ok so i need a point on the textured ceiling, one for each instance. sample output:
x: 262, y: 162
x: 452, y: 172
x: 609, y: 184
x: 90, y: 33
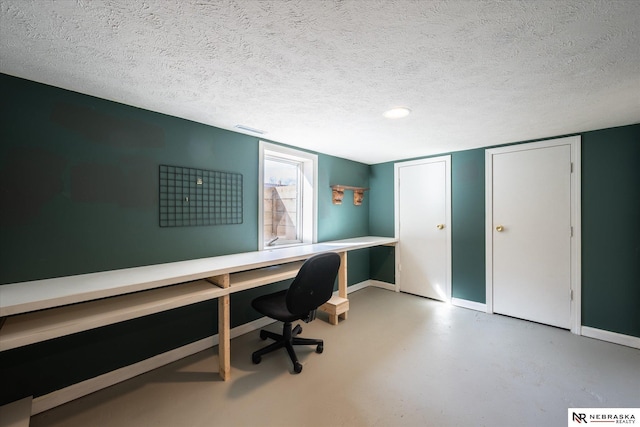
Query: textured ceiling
x: 318, y: 74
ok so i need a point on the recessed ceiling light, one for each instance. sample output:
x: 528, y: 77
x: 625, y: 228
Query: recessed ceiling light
x: 397, y: 113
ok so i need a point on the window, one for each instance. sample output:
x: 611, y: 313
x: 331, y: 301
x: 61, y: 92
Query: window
x: 287, y: 196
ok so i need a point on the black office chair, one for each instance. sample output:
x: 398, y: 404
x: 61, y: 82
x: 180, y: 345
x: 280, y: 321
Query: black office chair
x: 312, y: 287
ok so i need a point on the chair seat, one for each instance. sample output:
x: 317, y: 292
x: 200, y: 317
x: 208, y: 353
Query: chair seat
x: 274, y: 306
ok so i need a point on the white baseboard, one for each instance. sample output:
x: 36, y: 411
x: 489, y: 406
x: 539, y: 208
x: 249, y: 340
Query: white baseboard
x: 356, y: 287
x: 383, y: 285
x: 472, y: 305
x: 249, y: 327
x: 613, y: 337
x: 367, y: 283
x: 75, y: 391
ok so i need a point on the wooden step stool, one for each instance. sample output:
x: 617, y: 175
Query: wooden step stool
x: 336, y: 307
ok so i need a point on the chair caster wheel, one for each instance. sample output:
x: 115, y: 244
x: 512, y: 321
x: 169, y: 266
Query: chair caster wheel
x: 319, y: 348
x: 297, y: 367
x: 263, y: 335
x: 256, y: 359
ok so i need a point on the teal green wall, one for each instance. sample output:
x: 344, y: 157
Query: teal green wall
x: 467, y: 228
x: 611, y: 230
x: 80, y: 184
x: 381, y: 222
x: 345, y: 220
x: 381, y: 195
x: 79, y: 187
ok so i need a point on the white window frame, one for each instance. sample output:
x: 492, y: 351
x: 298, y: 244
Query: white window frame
x: 309, y: 192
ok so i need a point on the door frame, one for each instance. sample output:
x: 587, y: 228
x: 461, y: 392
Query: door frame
x: 576, y: 254
x: 396, y: 177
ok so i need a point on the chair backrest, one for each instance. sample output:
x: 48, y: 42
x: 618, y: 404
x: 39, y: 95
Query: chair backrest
x: 313, y: 286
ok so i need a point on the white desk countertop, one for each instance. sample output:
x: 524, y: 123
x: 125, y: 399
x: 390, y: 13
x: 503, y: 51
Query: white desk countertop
x: 23, y: 297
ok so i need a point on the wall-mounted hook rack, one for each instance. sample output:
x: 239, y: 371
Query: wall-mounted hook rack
x: 338, y: 194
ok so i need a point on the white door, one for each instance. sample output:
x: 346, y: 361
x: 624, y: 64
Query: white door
x: 531, y: 232
x: 423, y: 226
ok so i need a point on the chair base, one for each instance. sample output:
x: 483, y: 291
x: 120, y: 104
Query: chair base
x: 287, y: 340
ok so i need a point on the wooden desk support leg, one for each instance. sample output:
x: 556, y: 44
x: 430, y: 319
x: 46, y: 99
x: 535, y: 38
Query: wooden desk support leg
x: 338, y: 306
x: 224, y: 337
x: 224, y: 328
x: 342, y: 283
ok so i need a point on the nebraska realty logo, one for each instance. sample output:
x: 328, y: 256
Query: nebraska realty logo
x: 603, y: 415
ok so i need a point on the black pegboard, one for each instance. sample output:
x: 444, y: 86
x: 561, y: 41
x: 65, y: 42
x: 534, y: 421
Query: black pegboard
x: 192, y: 197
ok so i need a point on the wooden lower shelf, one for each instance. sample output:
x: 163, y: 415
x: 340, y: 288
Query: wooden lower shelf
x: 28, y: 328
x: 253, y: 278
x: 36, y: 326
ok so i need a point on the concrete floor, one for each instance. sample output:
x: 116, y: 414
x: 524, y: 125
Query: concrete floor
x: 399, y: 360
